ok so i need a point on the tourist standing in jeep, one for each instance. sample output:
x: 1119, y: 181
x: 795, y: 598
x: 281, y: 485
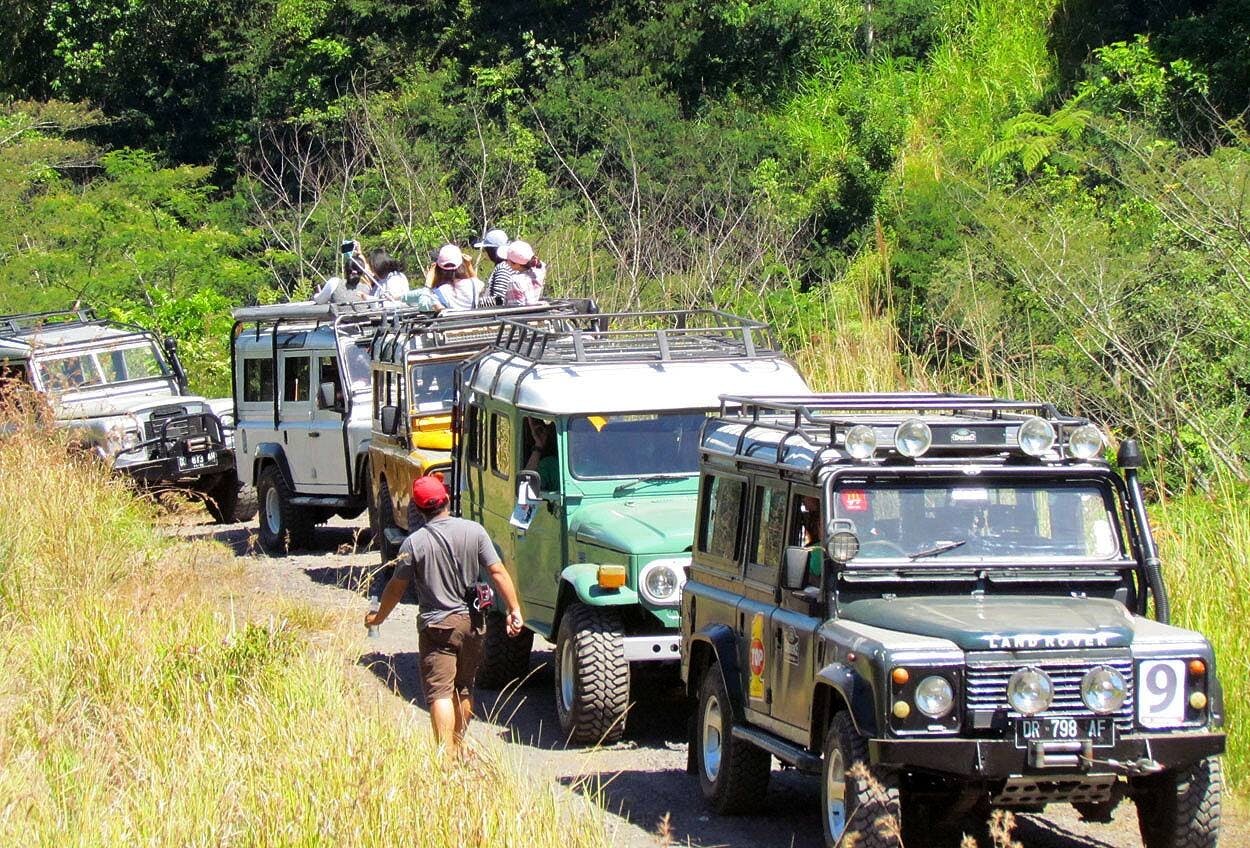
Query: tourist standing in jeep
x: 609, y: 409
x: 124, y: 397
x: 972, y: 627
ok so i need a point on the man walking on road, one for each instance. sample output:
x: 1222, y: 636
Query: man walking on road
x: 446, y: 557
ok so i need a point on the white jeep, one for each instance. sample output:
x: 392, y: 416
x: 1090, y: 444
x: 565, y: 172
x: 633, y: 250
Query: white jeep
x: 125, y: 399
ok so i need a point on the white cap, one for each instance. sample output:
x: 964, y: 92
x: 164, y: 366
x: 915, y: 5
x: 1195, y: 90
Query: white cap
x: 449, y: 257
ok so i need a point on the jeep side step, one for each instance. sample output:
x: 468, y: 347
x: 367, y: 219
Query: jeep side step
x: 784, y: 751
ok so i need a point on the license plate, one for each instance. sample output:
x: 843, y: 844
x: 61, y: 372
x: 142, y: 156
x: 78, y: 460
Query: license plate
x: 197, y: 460
x: 1099, y: 731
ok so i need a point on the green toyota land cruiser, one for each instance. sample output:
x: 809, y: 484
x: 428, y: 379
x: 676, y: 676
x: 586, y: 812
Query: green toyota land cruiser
x: 954, y: 591
x: 579, y: 454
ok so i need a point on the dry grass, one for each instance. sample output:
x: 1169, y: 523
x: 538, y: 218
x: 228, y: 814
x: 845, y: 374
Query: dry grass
x: 142, y: 700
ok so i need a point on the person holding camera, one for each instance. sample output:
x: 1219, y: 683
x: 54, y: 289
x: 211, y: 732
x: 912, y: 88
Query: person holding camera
x: 529, y: 275
x: 357, y: 283
x: 446, y: 558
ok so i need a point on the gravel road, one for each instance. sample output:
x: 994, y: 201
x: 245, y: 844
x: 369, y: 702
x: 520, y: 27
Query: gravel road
x: 642, y: 779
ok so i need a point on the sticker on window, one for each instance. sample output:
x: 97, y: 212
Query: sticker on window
x: 854, y: 500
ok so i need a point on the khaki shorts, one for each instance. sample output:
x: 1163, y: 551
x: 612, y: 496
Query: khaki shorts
x: 450, y: 654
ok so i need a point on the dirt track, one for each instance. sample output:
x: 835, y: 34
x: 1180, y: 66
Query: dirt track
x: 643, y: 778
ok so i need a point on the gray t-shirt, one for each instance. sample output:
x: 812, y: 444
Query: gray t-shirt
x: 444, y: 558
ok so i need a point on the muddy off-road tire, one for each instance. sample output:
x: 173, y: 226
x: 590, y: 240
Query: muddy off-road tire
x: 228, y: 501
x: 852, y: 807
x: 592, y: 675
x: 1180, y: 809
x: 283, y: 525
x: 504, y: 658
x: 733, y: 774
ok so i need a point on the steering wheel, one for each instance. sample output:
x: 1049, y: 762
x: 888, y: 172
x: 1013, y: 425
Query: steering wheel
x: 885, y: 546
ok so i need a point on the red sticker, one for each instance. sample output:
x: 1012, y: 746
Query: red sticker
x: 757, y: 657
x: 854, y: 500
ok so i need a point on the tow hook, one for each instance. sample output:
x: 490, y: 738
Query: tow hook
x: 1131, y: 768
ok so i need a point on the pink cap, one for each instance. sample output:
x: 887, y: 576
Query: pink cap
x: 520, y: 252
x: 449, y: 257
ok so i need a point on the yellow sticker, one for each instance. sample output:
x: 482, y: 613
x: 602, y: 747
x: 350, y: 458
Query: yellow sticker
x: 756, y: 656
x: 598, y: 421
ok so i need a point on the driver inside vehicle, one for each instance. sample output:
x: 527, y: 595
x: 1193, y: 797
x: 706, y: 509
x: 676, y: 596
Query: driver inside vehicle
x: 541, y: 452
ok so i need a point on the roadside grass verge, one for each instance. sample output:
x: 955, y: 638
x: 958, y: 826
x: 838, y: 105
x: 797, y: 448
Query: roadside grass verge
x: 147, y: 697
x: 1204, y: 542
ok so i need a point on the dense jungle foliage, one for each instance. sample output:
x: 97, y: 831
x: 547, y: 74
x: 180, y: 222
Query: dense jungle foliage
x: 1025, y: 196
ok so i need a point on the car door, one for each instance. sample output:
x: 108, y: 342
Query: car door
x: 295, y: 416
x: 797, y: 615
x: 539, y: 548
x: 326, y: 445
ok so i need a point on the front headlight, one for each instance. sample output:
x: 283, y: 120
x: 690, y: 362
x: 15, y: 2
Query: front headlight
x: 934, y: 696
x: 660, y: 582
x: 1030, y: 691
x: 1103, y: 689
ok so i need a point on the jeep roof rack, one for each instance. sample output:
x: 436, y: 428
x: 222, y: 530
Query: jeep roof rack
x: 477, y: 328
x: 958, y: 423
x: 660, y: 336
x: 22, y: 321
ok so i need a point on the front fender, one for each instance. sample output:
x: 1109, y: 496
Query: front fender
x: 583, y: 577
x: 721, y: 640
x: 272, y: 452
x: 855, y: 692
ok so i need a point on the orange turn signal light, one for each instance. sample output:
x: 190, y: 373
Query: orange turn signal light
x: 1197, y: 668
x: 900, y: 676
x: 611, y: 576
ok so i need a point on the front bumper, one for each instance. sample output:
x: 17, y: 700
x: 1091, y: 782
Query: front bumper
x: 994, y: 758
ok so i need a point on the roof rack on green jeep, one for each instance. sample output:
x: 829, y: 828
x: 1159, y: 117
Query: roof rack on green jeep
x: 952, y: 423
x: 660, y: 336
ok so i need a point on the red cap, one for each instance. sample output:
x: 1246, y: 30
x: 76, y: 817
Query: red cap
x: 428, y: 493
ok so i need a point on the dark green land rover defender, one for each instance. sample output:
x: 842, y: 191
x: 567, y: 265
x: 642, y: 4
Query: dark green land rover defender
x: 954, y: 591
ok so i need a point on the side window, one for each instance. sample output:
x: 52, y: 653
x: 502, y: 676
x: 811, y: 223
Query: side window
x: 500, y: 444
x: 378, y: 400
x: 258, y: 380
x: 721, y: 508
x: 295, y: 374
x: 805, y: 523
x: 770, y: 532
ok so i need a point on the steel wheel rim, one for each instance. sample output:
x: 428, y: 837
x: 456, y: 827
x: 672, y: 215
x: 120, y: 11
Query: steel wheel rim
x: 566, y: 676
x: 835, y: 794
x: 273, y: 511
x: 713, y: 738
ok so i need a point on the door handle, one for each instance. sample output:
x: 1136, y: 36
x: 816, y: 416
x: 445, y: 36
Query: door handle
x: 313, y: 434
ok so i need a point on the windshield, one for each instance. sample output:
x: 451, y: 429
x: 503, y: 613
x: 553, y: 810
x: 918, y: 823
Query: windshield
x: 929, y: 524
x: 635, y: 444
x: 357, y: 357
x: 97, y: 368
x: 433, y: 382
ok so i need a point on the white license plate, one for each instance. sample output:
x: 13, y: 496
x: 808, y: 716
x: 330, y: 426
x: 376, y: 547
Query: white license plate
x: 197, y: 460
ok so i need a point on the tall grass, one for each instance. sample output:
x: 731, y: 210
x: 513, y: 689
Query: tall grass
x: 147, y: 696
x: 1204, y: 542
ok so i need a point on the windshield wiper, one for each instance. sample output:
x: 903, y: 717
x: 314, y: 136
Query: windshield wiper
x: 940, y: 548
x: 650, y: 478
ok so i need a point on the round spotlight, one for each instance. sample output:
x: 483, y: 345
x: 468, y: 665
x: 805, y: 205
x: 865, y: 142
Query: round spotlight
x: 935, y: 697
x: 1103, y: 689
x: 1036, y: 436
x: 842, y: 546
x: 861, y: 441
x: 1085, y: 442
x: 913, y: 438
x: 1029, y: 691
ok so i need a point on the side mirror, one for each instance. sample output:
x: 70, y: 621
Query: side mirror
x: 390, y: 420
x: 325, y: 396
x: 527, y: 500
x: 797, y: 560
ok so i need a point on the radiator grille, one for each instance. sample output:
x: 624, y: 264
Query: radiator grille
x: 180, y: 428
x: 986, y: 687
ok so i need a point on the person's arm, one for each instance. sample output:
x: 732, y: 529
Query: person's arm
x: 503, y: 582
x: 391, y: 595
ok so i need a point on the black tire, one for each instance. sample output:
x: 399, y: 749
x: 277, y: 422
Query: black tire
x: 387, y: 550
x: 592, y: 675
x: 733, y: 774
x: 504, y: 658
x: 1180, y: 809
x: 228, y: 501
x: 866, y: 798
x: 282, y: 525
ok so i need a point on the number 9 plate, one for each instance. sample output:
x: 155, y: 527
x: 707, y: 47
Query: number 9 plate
x: 1161, y: 693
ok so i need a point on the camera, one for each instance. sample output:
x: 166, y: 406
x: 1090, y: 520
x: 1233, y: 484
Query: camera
x: 348, y: 247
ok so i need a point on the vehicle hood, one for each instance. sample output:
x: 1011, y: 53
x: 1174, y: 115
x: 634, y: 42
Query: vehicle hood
x: 100, y: 404
x: 995, y: 623
x: 643, y: 526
